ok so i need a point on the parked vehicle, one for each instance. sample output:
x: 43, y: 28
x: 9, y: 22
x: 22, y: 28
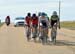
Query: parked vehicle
x: 19, y: 21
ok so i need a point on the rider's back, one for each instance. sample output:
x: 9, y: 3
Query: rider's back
x: 54, y: 17
x: 43, y: 21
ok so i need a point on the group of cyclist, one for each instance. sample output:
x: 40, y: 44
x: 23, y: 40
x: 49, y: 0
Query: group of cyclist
x: 41, y: 22
x: 38, y: 25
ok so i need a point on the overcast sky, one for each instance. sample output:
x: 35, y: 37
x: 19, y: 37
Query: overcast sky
x: 16, y: 8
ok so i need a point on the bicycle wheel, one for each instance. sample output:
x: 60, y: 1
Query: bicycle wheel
x: 44, y: 37
x: 44, y: 40
x: 53, y: 35
x: 35, y: 34
x: 28, y: 34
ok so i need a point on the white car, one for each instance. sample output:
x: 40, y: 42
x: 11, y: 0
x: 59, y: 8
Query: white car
x: 19, y: 21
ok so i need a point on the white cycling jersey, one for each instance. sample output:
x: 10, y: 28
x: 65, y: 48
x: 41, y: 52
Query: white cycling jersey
x: 43, y: 21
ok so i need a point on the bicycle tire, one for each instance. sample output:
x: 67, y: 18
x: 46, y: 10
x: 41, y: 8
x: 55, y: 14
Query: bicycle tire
x: 28, y: 34
x: 53, y: 36
x: 44, y: 37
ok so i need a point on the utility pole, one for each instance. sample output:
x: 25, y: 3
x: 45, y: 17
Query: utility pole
x: 59, y: 7
x: 0, y: 20
x: 59, y: 11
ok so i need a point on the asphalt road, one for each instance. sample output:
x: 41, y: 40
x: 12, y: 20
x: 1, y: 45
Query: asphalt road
x: 13, y: 41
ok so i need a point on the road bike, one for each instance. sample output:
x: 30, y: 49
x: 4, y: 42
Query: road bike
x: 28, y: 33
x: 54, y: 33
x: 44, y: 35
x: 35, y: 33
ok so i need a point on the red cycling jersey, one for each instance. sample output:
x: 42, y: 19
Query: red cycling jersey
x: 34, y: 20
x: 28, y: 20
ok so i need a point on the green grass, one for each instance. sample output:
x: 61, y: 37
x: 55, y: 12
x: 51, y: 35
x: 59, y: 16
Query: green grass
x: 1, y: 24
x: 68, y: 24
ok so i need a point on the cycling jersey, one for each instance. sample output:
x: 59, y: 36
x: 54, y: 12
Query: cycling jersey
x: 34, y: 20
x: 54, y: 17
x: 28, y: 20
x: 43, y: 22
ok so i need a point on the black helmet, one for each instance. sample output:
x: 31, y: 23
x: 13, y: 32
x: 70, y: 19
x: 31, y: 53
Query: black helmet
x: 29, y: 14
x: 8, y: 16
x: 34, y: 15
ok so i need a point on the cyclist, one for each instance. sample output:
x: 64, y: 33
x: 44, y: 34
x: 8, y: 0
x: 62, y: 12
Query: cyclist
x: 28, y: 19
x: 40, y: 15
x: 43, y: 22
x: 7, y: 20
x: 54, y: 19
x: 34, y: 24
x: 28, y: 25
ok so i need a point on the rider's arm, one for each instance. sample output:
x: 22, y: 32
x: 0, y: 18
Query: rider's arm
x: 47, y: 21
x: 39, y: 22
x: 50, y: 21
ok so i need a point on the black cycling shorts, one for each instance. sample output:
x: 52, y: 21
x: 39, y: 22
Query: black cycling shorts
x: 53, y: 22
x: 35, y: 26
x: 44, y: 24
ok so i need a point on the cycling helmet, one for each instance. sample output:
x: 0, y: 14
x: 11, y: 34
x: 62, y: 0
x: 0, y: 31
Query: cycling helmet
x: 8, y: 16
x: 43, y: 14
x: 54, y: 13
x: 39, y: 14
x: 29, y: 14
x: 34, y: 15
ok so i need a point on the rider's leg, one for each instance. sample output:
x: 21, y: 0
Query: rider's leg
x: 47, y: 30
x: 52, y: 23
x: 33, y: 31
x: 40, y: 30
